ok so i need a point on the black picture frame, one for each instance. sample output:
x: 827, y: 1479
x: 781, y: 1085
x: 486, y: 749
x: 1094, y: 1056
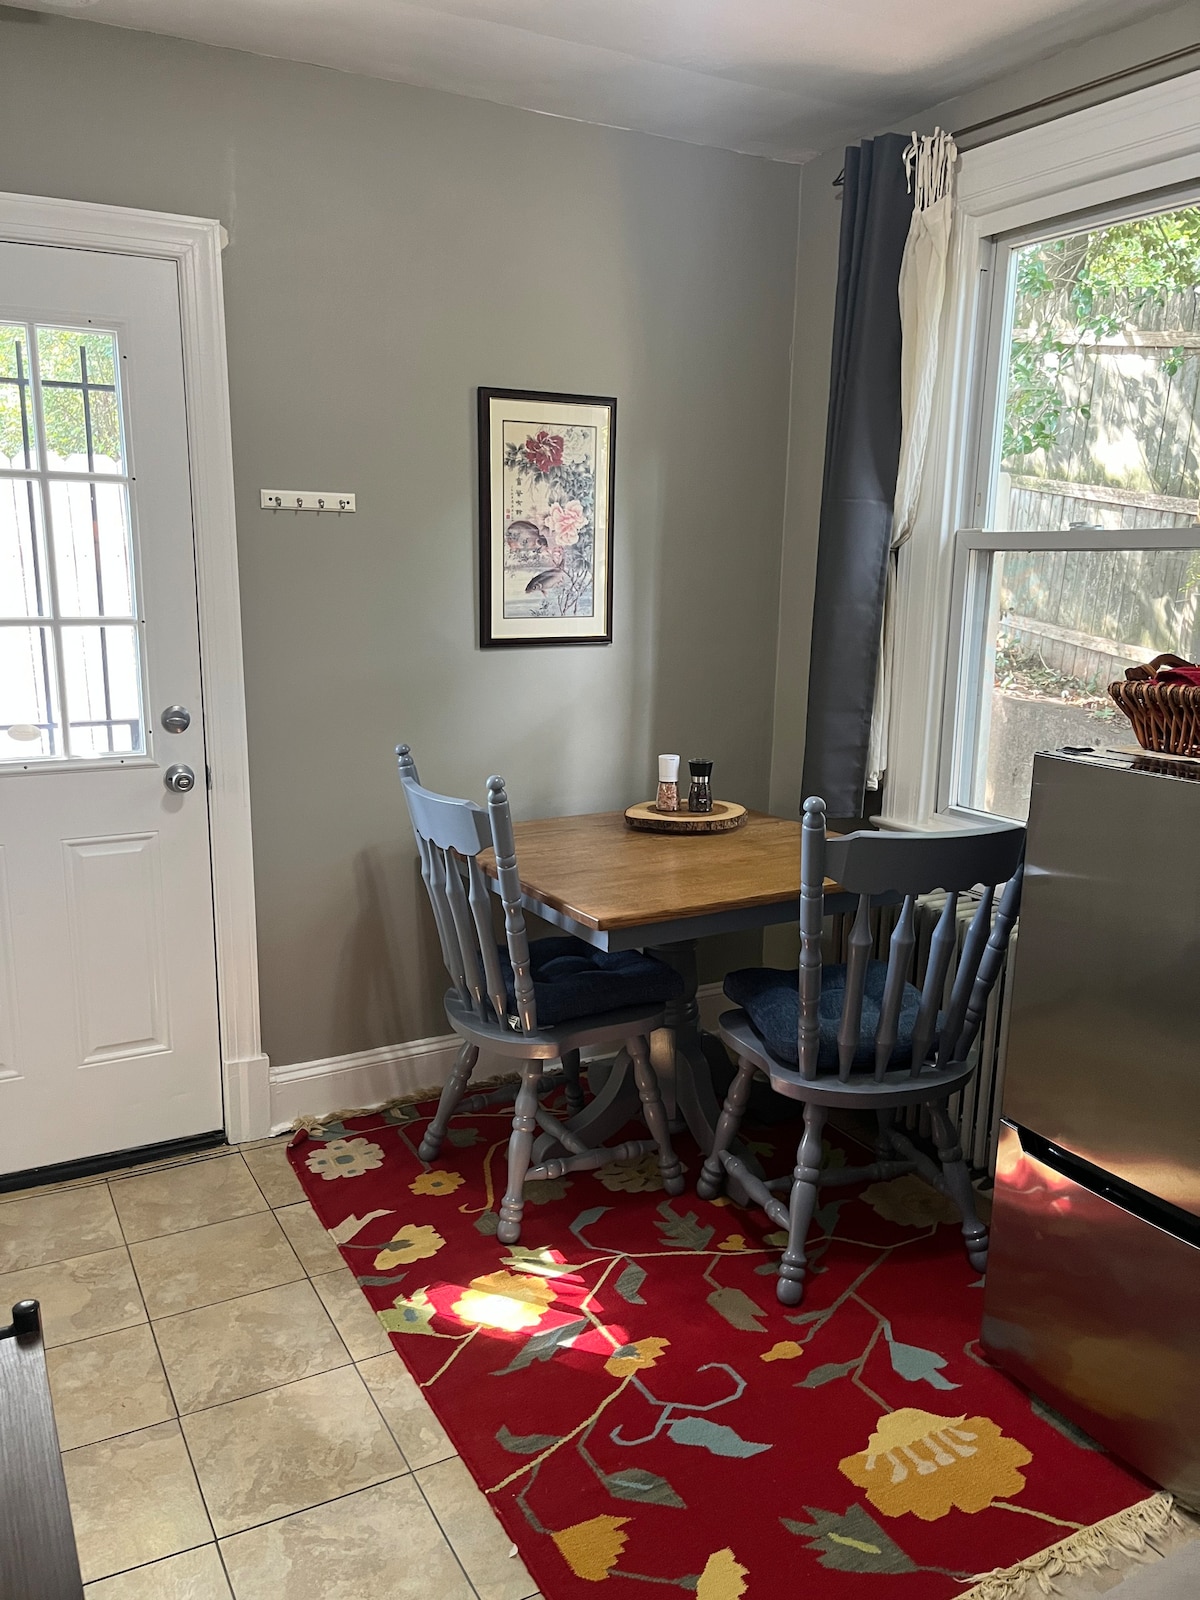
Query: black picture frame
x: 547, y: 480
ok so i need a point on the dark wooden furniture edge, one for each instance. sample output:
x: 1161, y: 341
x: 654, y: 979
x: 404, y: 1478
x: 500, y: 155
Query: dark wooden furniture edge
x: 38, y: 1559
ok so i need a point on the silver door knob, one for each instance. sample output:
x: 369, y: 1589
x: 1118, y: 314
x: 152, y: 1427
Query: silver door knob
x: 176, y: 719
x: 179, y: 779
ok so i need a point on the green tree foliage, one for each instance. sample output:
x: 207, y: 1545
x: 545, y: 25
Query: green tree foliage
x: 59, y: 360
x: 1084, y: 287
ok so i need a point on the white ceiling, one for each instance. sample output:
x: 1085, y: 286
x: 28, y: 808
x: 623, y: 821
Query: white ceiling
x: 780, y: 78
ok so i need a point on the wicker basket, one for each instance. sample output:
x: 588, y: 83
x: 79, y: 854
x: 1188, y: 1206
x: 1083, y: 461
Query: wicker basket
x: 1165, y: 716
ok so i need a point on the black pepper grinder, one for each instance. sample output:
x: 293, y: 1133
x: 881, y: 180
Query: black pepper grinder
x: 700, y: 793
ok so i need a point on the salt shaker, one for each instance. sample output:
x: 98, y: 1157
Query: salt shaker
x: 668, y: 784
x: 700, y: 794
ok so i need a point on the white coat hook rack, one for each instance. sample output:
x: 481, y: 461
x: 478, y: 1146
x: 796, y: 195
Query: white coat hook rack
x: 327, y: 500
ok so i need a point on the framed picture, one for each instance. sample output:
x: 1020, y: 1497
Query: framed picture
x: 545, y: 518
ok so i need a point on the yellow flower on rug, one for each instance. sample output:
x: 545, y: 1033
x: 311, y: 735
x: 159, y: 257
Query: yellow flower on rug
x: 785, y: 1350
x: 409, y: 1314
x: 540, y: 1191
x: 634, y: 1357
x: 437, y: 1182
x: 910, y: 1202
x: 735, y: 1243
x: 413, y: 1242
x: 344, y: 1158
x: 507, y: 1300
x: 723, y: 1578
x: 592, y: 1549
x: 631, y: 1177
x: 930, y: 1465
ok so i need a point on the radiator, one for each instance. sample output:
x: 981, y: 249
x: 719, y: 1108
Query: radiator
x: 976, y: 1110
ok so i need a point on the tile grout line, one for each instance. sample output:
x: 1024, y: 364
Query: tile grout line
x: 141, y: 1566
x: 302, y: 1511
x: 194, y: 1227
x: 453, y: 1456
x: 179, y: 1416
x: 413, y: 1472
x: 471, y: 1589
x: 174, y: 1402
x: 95, y: 1179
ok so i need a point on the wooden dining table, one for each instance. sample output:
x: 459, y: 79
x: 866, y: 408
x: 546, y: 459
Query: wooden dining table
x: 595, y: 877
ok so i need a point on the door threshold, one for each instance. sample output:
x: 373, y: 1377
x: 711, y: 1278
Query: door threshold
x: 91, y: 1166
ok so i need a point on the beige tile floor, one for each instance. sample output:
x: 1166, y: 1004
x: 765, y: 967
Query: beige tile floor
x: 234, y: 1423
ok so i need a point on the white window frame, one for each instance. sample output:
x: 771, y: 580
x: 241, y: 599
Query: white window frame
x: 194, y: 245
x: 1110, y: 157
x: 969, y: 611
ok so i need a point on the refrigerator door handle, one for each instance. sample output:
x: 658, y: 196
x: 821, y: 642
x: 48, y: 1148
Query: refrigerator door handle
x: 1138, y: 1202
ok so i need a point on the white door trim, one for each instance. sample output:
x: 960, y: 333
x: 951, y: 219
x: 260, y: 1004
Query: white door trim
x: 194, y: 244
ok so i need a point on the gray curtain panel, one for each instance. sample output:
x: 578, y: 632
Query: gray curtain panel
x: 862, y: 452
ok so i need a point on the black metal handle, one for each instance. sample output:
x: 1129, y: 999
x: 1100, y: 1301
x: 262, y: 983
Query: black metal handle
x: 26, y: 1319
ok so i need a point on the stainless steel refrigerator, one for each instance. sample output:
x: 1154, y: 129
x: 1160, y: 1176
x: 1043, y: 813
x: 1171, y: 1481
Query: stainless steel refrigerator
x: 1093, y: 1285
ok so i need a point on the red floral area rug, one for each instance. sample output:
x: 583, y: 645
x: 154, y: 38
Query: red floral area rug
x: 641, y: 1410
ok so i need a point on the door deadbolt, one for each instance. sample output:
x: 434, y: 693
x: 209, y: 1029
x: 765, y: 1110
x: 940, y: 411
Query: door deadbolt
x: 179, y: 779
x: 176, y: 719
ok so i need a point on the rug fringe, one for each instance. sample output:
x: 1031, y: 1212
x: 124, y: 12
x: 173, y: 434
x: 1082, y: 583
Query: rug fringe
x: 1128, y: 1533
x: 476, y: 1086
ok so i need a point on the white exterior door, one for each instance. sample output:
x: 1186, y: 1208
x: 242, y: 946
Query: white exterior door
x: 108, y: 997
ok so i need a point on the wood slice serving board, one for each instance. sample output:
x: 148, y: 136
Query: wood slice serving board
x: 723, y: 818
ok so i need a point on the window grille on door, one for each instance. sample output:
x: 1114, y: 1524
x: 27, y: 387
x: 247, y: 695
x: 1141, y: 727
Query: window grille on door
x: 70, y: 646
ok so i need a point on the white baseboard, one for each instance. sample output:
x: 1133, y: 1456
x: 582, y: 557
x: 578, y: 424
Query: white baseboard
x: 366, y: 1078
x: 369, y: 1077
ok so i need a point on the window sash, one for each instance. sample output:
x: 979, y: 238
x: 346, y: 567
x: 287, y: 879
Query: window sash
x: 974, y: 549
x: 53, y: 620
x: 994, y: 332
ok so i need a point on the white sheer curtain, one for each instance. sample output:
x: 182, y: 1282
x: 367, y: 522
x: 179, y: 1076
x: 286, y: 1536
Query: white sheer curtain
x: 929, y: 160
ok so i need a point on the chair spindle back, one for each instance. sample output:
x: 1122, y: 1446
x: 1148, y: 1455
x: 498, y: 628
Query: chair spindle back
x: 451, y: 834
x: 906, y: 865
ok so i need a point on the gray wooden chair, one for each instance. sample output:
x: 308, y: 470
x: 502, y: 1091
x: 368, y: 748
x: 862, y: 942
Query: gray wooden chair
x: 492, y: 1003
x: 859, y: 1036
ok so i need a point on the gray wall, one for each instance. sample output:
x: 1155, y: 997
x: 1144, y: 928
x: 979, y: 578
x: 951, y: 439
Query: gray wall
x: 820, y: 212
x: 390, y: 249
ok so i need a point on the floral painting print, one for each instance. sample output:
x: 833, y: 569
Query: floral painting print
x: 546, y: 465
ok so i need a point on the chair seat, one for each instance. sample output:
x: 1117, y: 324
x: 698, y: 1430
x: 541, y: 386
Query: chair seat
x: 862, y: 1092
x: 548, y: 1044
x: 770, y: 997
x: 571, y: 979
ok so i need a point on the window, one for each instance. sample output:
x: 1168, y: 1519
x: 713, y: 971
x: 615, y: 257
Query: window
x: 70, y: 673
x: 1046, y: 625
x: 1090, y: 470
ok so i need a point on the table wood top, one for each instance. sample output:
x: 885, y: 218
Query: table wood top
x: 604, y: 875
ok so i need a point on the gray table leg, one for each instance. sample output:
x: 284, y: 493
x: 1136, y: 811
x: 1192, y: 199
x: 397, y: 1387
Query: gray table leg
x: 615, y: 1102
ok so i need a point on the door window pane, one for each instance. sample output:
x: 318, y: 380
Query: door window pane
x: 1100, y: 380
x: 79, y: 400
x: 1058, y: 626
x: 18, y: 435
x: 79, y: 564
x: 29, y: 728
x: 90, y: 521
x: 24, y: 590
x: 104, y: 696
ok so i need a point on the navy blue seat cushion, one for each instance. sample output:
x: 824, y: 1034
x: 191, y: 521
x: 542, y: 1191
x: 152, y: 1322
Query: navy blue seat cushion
x: 570, y: 980
x: 771, y: 999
